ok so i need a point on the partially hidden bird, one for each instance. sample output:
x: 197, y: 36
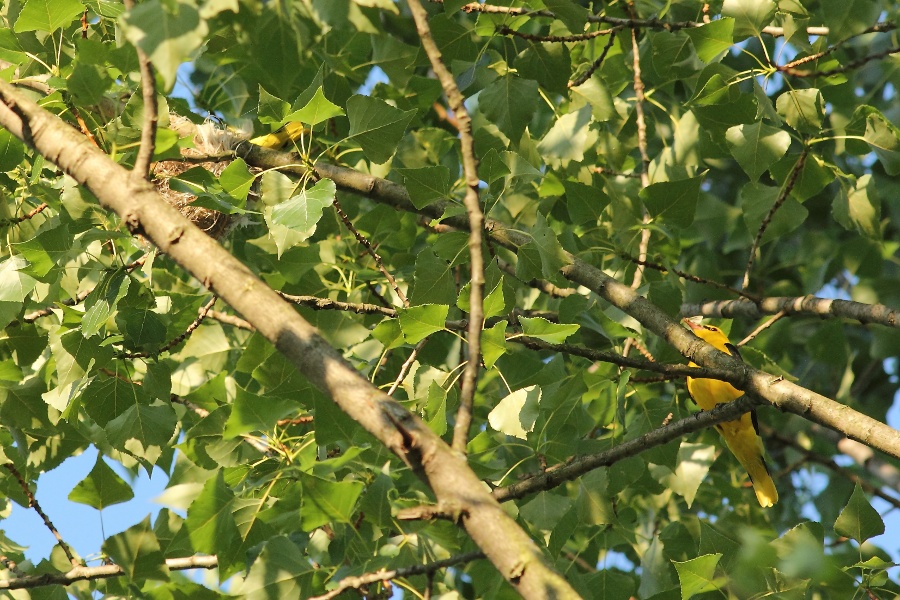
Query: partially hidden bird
x: 741, y: 435
x: 290, y: 132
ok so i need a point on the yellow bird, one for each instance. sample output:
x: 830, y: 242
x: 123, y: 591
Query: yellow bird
x: 742, y: 435
x: 290, y: 132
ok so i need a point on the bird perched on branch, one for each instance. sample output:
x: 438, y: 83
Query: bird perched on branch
x: 290, y: 132
x: 741, y: 435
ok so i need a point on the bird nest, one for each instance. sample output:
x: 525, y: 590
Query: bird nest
x: 208, y: 140
x: 212, y: 222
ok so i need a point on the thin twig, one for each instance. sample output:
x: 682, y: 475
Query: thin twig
x: 577, y: 37
x: 769, y: 322
x: 876, y: 28
x: 405, y: 367
x: 360, y: 581
x: 145, y: 153
x: 597, y: 63
x: 30, y: 214
x: 538, y: 284
x: 641, y: 123
x: 575, y: 467
x: 232, y: 320
x: 785, y: 191
x: 689, y: 276
x: 632, y: 23
x: 472, y: 203
x: 810, y: 456
x: 371, y: 250
x: 842, y: 69
x: 33, y: 503
x: 203, y: 312
x: 328, y: 304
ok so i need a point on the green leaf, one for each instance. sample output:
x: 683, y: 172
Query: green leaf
x: 569, y: 137
x: 210, y: 523
x: 250, y: 412
x: 433, y: 280
x: 169, y: 32
x: 543, y: 256
x: 12, y: 151
x: 103, y: 300
x: 674, y: 201
x: 542, y: 329
x: 318, y: 110
x: 694, y: 461
x: 15, y: 285
x: 271, y: 109
x: 571, y: 14
x: 108, y: 398
x: 509, y: 102
x: 137, y: 551
x: 236, y: 180
x: 142, y: 329
x: 327, y: 501
x: 858, y: 520
x: 757, y: 147
x: 491, y: 167
x: 281, y: 570
x: 585, y: 203
x: 884, y: 138
x: 750, y: 16
x: 859, y: 207
x: 802, y: 109
x: 712, y: 40
x: 756, y: 200
x: 516, y: 414
x: 714, y: 91
x: 142, y: 430
x: 493, y: 343
x: 655, y: 575
x: 295, y: 220
x: 426, y: 185
x: 47, y: 15
x: 698, y: 575
x: 377, y: 126
x: 418, y: 322
x: 846, y: 18
x: 45, y: 251
x: 88, y: 83
x: 101, y: 488
x: 546, y: 63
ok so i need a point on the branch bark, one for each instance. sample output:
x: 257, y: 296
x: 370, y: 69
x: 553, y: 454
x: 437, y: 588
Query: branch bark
x: 101, y: 572
x: 141, y: 209
x: 782, y: 394
x: 796, y: 305
x: 476, y: 223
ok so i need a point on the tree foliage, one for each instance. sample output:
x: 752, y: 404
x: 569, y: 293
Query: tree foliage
x: 634, y: 163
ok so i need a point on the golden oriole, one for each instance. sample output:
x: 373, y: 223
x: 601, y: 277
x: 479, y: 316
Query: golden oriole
x: 742, y: 435
x: 290, y: 132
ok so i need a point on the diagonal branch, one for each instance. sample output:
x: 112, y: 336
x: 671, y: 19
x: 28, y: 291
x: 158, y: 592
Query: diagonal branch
x: 142, y: 210
x: 578, y: 466
x: 783, y: 394
x: 33, y: 503
x: 785, y: 192
x: 476, y: 224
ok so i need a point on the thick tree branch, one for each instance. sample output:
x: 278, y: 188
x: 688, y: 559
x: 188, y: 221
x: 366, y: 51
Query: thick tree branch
x: 101, y: 572
x: 141, y: 209
x: 800, y: 305
x: 476, y: 223
x: 783, y: 394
